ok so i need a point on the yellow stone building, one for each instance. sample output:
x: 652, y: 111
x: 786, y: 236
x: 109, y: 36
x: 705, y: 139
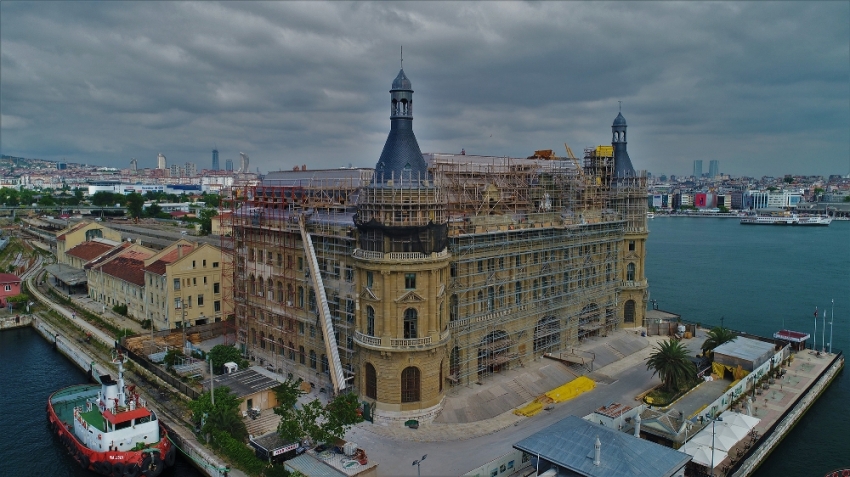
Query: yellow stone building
x: 183, y: 285
x: 434, y: 270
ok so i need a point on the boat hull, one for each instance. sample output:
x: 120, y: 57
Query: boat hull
x: 149, y: 462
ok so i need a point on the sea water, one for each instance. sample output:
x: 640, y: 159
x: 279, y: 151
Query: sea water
x: 759, y: 279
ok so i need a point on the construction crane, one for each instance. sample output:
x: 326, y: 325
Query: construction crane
x: 574, y: 159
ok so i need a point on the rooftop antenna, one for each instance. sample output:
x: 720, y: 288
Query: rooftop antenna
x: 621, y: 106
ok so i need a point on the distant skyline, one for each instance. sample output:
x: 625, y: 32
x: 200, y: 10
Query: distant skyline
x: 762, y: 87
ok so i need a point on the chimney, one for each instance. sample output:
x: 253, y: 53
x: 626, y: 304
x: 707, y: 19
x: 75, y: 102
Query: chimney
x: 597, y: 456
x: 179, y: 251
x: 637, y: 425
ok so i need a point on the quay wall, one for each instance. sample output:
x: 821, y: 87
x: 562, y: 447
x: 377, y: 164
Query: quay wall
x: 12, y: 322
x: 774, y: 436
x: 203, y: 460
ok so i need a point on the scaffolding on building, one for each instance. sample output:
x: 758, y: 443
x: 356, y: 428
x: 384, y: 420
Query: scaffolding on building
x: 534, y: 257
x: 277, y: 316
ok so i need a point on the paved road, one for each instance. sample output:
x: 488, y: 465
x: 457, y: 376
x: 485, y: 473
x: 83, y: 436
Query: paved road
x: 460, y: 456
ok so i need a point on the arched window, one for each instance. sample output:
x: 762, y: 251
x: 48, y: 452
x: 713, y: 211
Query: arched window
x: 629, y: 312
x: 410, y: 324
x: 270, y: 289
x: 260, y: 283
x: 370, y: 321
x: 325, y: 366
x: 501, y: 296
x: 371, y: 382
x: 252, y: 287
x: 253, y: 336
x: 630, y: 272
x: 518, y: 293
x: 301, y: 354
x: 479, y: 303
x: 280, y: 347
x: 262, y: 340
x: 291, y: 351
x: 410, y: 384
x: 290, y: 295
x: 300, y: 297
x: 271, y: 343
x: 279, y: 292
x: 453, y: 308
x: 491, y: 298
x: 312, y: 359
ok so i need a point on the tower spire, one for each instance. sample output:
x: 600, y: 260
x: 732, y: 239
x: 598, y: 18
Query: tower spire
x: 401, y: 56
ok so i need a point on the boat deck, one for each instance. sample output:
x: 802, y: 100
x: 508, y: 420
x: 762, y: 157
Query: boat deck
x: 66, y: 400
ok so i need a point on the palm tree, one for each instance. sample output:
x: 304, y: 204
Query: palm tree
x: 671, y: 362
x: 716, y: 337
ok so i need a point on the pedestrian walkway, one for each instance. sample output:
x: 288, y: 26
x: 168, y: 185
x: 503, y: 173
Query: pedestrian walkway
x: 464, y: 403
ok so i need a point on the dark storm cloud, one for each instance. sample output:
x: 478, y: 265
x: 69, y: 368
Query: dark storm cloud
x: 763, y: 87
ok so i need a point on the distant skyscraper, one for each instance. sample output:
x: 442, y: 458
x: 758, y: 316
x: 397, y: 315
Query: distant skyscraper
x: 713, y: 169
x: 243, y: 162
x: 160, y: 161
x: 228, y: 165
x: 190, y: 170
x: 697, y: 168
x: 134, y: 165
x: 215, y: 160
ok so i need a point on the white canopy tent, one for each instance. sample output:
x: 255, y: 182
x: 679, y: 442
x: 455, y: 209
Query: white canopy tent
x: 738, y: 419
x: 722, y: 441
x: 702, y: 454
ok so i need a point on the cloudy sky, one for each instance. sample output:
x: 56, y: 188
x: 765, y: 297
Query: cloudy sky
x: 762, y: 87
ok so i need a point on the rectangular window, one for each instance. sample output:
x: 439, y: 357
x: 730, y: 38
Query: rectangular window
x: 280, y: 260
x: 216, y: 288
x: 176, y: 303
x: 369, y: 279
x: 300, y: 263
x: 194, y: 281
x: 189, y: 302
x: 215, y: 264
x: 410, y: 281
x: 200, y: 300
x: 8, y: 287
x: 204, y: 264
x: 631, y: 245
x: 217, y: 306
x: 176, y: 283
x: 300, y: 328
x: 193, y: 264
x: 205, y: 280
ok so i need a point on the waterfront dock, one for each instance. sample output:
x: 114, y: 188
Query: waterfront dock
x: 782, y: 405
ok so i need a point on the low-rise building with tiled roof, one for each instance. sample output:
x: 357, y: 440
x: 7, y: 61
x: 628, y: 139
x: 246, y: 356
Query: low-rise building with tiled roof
x: 85, y: 252
x: 120, y: 280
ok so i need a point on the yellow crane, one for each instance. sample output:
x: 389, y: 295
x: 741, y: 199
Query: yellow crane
x: 574, y: 159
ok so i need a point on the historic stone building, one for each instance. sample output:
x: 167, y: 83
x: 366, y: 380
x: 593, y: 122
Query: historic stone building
x: 434, y: 270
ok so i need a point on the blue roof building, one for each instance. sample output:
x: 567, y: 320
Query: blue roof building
x: 576, y: 447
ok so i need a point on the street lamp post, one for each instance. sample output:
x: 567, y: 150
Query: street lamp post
x: 713, y: 421
x: 417, y: 462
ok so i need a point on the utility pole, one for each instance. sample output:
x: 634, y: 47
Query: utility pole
x: 830, y: 325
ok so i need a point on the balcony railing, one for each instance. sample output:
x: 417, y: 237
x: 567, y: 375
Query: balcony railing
x: 633, y: 283
x: 400, y: 256
x: 366, y: 339
x: 408, y: 343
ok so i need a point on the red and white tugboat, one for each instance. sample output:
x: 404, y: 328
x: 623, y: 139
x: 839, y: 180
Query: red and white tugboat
x: 108, y: 428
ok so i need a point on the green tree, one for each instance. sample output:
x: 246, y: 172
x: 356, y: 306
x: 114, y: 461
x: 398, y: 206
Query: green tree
x: 211, y: 200
x: 341, y: 413
x: 171, y: 357
x: 847, y: 198
x: 671, y: 363
x: 135, y: 202
x: 223, y: 416
x: 221, y: 354
x: 723, y: 209
x: 46, y: 200
x: 103, y: 198
x: 716, y: 337
x: 287, y: 393
x: 153, y: 210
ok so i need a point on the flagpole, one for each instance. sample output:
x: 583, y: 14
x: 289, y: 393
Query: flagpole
x: 815, y: 334
x: 823, y: 333
x: 830, y: 325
